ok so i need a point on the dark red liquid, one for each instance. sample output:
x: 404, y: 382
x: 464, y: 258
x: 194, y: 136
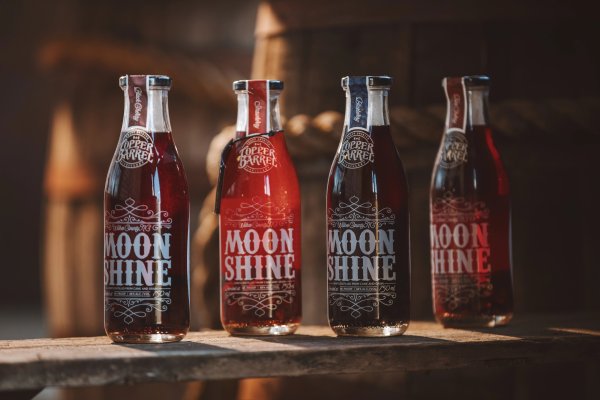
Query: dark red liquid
x: 157, y: 191
x: 480, y: 186
x: 380, y: 188
x: 257, y: 298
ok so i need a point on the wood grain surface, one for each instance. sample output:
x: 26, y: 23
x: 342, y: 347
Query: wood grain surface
x: 92, y: 361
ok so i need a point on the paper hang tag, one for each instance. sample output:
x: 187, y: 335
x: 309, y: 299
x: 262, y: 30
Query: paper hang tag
x: 223, y: 164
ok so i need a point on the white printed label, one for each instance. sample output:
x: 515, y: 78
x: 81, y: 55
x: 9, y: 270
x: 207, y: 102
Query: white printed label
x: 357, y: 149
x: 257, y: 156
x: 258, y: 257
x: 137, y: 261
x: 136, y: 148
x: 361, y: 257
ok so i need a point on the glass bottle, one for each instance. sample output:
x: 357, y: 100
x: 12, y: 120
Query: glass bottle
x: 259, y: 220
x: 470, y: 214
x: 146, y: 222
x: 368, y: 258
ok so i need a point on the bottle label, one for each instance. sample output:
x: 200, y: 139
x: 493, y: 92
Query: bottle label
x: 360, y: 257
x: 357, y: 149
x: 359, y: 102
x: 460, y: 252
x: 259, y: 116
x: 137, y: 261
x: 136, y: 148
x: 258, y: 255
x: 454, y: 150
x: 257, y: 155
x: 137, y: 90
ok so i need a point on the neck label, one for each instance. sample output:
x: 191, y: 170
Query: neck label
x: 259, y: 118
x: 454, y: 150
x: 456, y: 118
x: 359, y: 102
x: 137, y: 90
x: 356, y: 149
x: 136, y: 147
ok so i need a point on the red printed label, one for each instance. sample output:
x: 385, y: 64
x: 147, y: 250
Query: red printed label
x: 258, y: 107
x: 457, y: 110
x: 138, y: 99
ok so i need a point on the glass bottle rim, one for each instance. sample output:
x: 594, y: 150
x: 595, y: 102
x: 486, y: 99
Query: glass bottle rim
x: 472, y: 81
x: 242, y: 85
x: 154, y: 81
x: 372, y: 81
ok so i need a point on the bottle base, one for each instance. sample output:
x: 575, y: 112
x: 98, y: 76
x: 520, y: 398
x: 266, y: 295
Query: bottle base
x: 370, y: 331
x: 146, y: 338
x: 487, y: 321
x: 261, y: 330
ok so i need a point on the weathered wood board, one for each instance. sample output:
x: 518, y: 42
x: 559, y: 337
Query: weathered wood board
x: 90, y: 361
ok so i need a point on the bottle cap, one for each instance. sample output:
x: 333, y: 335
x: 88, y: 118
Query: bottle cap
x: 473, y: 80
x: 154, y: 81
x: 382, y: 81
x: 243, y: 84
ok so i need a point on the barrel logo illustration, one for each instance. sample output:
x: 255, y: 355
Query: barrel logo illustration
x: 136, y: 148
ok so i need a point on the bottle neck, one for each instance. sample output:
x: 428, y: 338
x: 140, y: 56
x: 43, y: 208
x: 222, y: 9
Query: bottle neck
x: 257, y: 113
x: 466, y: 106
x: 147, y: 108
x: 366, y: 109
x: 477, y: 106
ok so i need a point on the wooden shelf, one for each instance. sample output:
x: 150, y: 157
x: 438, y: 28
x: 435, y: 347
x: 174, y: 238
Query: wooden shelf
x: 92, y: 361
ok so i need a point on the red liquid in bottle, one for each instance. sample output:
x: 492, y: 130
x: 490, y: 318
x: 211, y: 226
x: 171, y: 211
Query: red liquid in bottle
x: 146, y: 204
x: 259, y: 223
x: 470, y: 216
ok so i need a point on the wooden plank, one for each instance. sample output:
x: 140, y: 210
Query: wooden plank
x: 26, y: 364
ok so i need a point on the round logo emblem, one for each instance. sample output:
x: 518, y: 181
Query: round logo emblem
x: 257, y: 155
x: 136, y: 149
x: 357, y: 149
x: 454, y: 149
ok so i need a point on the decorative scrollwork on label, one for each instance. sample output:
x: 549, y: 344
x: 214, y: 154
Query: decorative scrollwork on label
x: 260, y: 302
x: 131, y: 308
x: 359, y: 303
x: 136, y: 217
x: 354, y: 214
x: 259, y: 213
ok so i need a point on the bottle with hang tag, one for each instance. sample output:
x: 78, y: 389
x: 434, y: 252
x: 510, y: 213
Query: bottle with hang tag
x: 258, y: 204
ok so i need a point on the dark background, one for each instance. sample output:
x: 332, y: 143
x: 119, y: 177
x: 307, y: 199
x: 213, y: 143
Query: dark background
x: 42, y: 64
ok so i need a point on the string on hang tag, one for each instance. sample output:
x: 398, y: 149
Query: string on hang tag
x: 223, y: 163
